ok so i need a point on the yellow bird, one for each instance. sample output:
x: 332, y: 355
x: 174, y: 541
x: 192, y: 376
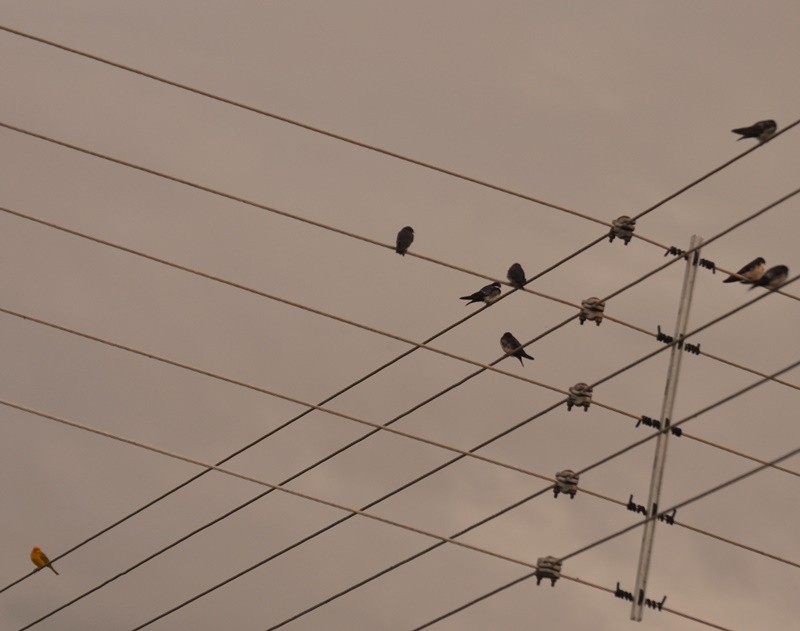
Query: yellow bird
x: 40, y: 559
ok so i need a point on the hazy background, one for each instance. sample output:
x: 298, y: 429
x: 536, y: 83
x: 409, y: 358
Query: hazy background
x: 601, y: 107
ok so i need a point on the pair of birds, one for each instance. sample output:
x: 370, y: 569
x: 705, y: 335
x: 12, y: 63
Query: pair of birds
x: 491, y: 293
x: 753, y: 274
x: 40, y: 559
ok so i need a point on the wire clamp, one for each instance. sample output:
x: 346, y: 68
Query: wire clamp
x: 652, y: 422
x: 622, y: 227
x: 566, y: 483
x: 694, y: 349
x: 696, y: 261
x: 667, y: 518
x: 548, y: 567
x: 592, y: 310
x: 663, y: 337
x: 580, y: 395
x: 652, y: 604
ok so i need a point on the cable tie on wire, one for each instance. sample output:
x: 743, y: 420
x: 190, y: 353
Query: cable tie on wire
x: 667, y: 518
x: 655, y: 423
x: 674, y: 251
x: 694, y: 349
x: 652, y: 604
x: 663, y: 337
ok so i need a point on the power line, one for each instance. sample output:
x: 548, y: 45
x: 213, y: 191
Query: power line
x: 288, y: 215
x: 375, y: 148
x: 373, y: 503
x: 327, y: 314
x: 580, y: 581
x: 352, y: 511
x: 535, y: 495
x: 616, y: 534
x: 369, y: 433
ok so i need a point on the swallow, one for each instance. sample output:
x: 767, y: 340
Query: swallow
x: 751, y: 272
x: 516, y: 276
x: 40, y: 559
x: 511, y: 346
x: 488, y: 294
x: 404, y: 239
x: 763, y: 130
x: 773, y: 278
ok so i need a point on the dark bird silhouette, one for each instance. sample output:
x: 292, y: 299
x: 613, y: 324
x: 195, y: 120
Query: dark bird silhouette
x: 488, y: 294
x: 773, y: 278
x: 404, y: 239
x: 751, y: 272
x: 763, y: 130
x: 511, y: 346
x: 516, y: 276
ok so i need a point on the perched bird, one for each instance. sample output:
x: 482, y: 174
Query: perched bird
x: 404, y: 239
x: 511, y: 346
x: 40, y: 559
x: 751, y: 272
x: 488, y: 294
x: 773, y: 278
x: 516, y: 276
x: 763, y: 130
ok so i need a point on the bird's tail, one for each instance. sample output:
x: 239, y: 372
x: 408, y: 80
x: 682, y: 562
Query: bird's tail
x: 52, y: 568
x: 524, y: 354
x: 730, y: 279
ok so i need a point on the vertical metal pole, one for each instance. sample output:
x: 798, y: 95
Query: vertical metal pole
x: 660, y: 459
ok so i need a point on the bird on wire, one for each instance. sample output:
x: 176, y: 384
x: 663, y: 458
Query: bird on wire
x: 762, y: 130
x: 40, y: 559
x: 404, y: 239
x: 749, y: 273
x: 511, y: 346
x: 488, y: 294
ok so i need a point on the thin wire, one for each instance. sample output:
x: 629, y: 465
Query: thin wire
x: 329, y: 503
x: 394, y: 420
x: 618, y: 533
x: 307, y: 127
x: 375, y: 426
x: 544, y: 490
x: 326, y: 314
x: 370, y: 147
x: 328, y: 227
x: 247, y: 202
x: 299, y: 416
x: 343, y: 519
x: 675, y: 507
x: 580, y: 581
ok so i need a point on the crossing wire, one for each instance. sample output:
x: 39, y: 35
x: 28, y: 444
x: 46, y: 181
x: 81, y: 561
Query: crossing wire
x: 363, y: 513
x: 537, y: 494
x: 394, y: 492
x: 326, y: 314
x: 618, y: 533
x: 438, y: 394
x: 392, y: 154
x: 377, y: 149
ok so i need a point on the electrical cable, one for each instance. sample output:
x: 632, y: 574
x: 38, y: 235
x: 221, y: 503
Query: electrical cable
x: 326, y: 314
x: 541, y: 492
x: 374, y: 148
x: 618, y: 533
x: 362, y: 513
x: 407, y: 485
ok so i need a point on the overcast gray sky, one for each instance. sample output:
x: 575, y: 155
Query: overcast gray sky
x: 601, y: 107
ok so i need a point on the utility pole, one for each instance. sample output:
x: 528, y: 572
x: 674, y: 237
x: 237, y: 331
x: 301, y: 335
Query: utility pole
x: 660, y: 459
